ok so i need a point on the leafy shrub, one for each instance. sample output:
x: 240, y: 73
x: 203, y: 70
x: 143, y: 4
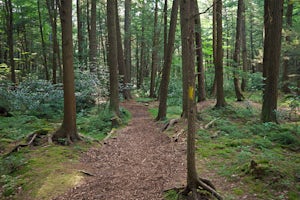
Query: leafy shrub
x: 175, y: 92
x: 43, y: 99
x: 38, y: 97
x: 255, y: 81
x: 87, y: 89
x: 6, y: 97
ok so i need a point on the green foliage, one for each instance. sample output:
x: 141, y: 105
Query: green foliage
x: 87, y: 88
x: 171, y: 195
x: 144, y: 99
x: 175, y: 92
x: 8, y: 166
x: 4, y: 71
x: 19, y: 126
x: 240, y: 141
x: 97, y: 123
x: 9, y: 185
x: 11, y: 164
x: 41, y: 98
x: 33, y: 97
x: 255, y: 81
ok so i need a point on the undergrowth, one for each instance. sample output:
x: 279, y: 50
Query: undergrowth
x: 33, y: 171
x: 262, y: 157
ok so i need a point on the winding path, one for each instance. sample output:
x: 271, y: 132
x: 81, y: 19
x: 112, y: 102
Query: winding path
x: 140, y: 163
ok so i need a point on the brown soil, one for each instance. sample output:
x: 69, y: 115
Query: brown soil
x: 140, y: 163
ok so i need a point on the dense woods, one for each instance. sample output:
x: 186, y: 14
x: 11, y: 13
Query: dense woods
x: 222, y: 74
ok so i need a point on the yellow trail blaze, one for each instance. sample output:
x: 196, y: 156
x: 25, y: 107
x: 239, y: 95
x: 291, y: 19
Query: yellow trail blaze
x: 191, y: 92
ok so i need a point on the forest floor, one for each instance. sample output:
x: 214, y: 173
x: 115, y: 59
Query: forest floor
x: 140, y: 162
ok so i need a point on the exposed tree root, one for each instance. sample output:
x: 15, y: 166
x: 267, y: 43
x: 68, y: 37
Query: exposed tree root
x: 64, y: 137
x: 208, y: 125
x: 176, y: 137
x: 202, y: 184
x: 33, y: 139
x: 86, y: 173
x: 169, y: 124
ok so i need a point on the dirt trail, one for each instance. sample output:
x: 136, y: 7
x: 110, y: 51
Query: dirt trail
x: 140, y: 163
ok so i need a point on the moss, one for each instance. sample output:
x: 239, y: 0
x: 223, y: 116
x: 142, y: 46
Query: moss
x: 238, y: 191
x: 49, y: 171
x: 57, y: 183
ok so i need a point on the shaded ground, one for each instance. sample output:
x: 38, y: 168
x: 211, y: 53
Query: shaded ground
x: 140, y: 163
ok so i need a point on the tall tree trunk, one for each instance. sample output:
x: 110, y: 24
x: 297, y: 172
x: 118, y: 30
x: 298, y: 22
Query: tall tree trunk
x: 289, y: 19
x: 121, y: 60
x: 271, y: 60
x: 252, y: 42
x: 185, y: 28
x: 154, y: 52
x: 93, y: 38
x: 187, y: 42
x: 137, y: 58
x: 214, y: 86
x: 142, y: 66
x: 199, y: 54
x: 103, y: 39
x: 162, y: 109
x: 127, y: 39
x: 187, y: 37
x: 80, y: 38
x: 68, y: 128
x: 165, y: 28
x: 219, y: 56
x: 43, y: 42
x: 236, y: 54
x: 112, y: 57
x: 52, y: 10
x: 244, y: 47
x: 10, y: 39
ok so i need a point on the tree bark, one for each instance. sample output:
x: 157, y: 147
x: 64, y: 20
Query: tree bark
x: 285, y: 72
x: 252, y: 42
x: 121, y: 61
x: 127, y: 39
x: 219, y: 56
x: 154, y: 52
x: 162, y: 109
x: 68, y: 130
x: 199, y: 54
x: 187, y: 37
x: 214, y: 86
x: 142, y: 64
x: 271, y: 60
x: 165, y: 28
x: 43, y: 42
x: 236, y: 54
x: 10, y: 39
x: 244, y: 47
x: 80, y: 33
x: 112, y: 57
x: 93, y: 38
x: 188, y: 55
x: 52, y: 10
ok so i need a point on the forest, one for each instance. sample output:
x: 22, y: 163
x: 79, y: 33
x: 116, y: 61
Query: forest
x: 136, y: 99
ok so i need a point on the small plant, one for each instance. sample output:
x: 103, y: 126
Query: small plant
x: 9, y: 185
x: 11, y: 164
